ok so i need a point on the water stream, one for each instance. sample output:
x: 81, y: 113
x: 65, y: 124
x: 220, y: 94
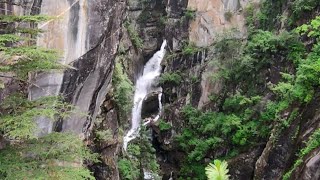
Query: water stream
x: 144, y: 86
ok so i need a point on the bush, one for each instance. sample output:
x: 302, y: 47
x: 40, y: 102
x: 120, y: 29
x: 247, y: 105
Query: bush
x: 123, y: 90
x: 134, y: 36
x: 313, y: 143
x: 104, y: 135
x: 300, y: 7
x: 164, y: 126
x: 141, y: 157
x: 228, y: 15
x: 190, y: 49
x: 18, y: 118
x: 128, y: 170
x: 189, y: 14
x: 54, y: 156
x: 170, y: 79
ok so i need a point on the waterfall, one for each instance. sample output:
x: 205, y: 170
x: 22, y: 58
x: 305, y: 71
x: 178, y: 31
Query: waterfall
x: 145, y: 85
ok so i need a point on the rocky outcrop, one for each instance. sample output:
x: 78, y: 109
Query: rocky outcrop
x: 67, y: 34
x: 87, y: 84
x: 150, y: 105
x: 3, y: 142
x: 214, y: 17
x: 242, y: 166
x: 106, y: 140
x: 280, y: 152
x: 311, y: 170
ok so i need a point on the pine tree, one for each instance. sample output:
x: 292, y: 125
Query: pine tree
x: 18, y: 53
x: 147, y: 159
x: 56, y: 155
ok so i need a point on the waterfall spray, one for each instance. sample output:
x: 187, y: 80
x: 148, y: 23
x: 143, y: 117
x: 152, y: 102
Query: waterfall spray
x: 144, y: 86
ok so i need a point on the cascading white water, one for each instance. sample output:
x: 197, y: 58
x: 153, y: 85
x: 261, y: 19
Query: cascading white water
x: 159, y: 112
x: 144, y: 86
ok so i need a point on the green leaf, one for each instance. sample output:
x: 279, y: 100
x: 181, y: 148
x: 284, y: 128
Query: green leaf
x: 217, y: 171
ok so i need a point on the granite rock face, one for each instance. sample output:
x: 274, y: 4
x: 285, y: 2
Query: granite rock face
x: 87, y: 34
x: 67, y: 33
x: 87, y: 85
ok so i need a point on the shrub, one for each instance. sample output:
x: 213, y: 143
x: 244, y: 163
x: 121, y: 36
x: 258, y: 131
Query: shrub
x: 189, y: 14
x: 17, y: 56
x: 54, y: 156
x: 134, y: 36
x: 18, y: 121
x: 313, y: 143
x: 164, y: 126
x: 123, y: 90
x: 170, y: 79
x: 141, y: 157
x: 302, y: 6
x: 228, y: 15
x: 104, y: 135
x: 190, y: 49
x: 128, y: 170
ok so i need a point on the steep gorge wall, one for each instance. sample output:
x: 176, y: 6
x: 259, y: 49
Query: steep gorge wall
x: 89, y: 33
x: 272, y: 158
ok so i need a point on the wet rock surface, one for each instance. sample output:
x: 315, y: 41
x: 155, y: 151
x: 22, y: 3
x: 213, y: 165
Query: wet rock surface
x: 242, y: 167
x: 87, y: 85
x: 311, y: 169
x: 150, y: 105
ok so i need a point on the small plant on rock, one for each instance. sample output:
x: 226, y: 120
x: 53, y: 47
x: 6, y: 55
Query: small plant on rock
x: 218, y: 170
x: 228, y: 15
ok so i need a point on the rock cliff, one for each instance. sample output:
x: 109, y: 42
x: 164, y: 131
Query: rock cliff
x: 94, y: 35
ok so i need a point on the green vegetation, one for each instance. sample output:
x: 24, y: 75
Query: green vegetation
x: 311, y: 29
x: 268, y: 18
x: 301, y: 7
x: 238, y: 127
x: 170, y: 79
x: 244, y: 118
x: 163, y: 20
x: 189, y: 14
x: 190, y: 49
x: 228, y: 15
x: 104, y: 135
x: 123, y: 90
x: 262, y: 51
x: 18, y: 54
x: 217, y: 171
x: 164, y: 126
x: 128, y: 169
x: 18, y: 114
x: 267, y: 79
x: 144, y: 16
x: 140, y: 157
x: 52, y: 156
x: 134, y: 36
x: 302, y: 87
x: 28, y: 19
x: 312, y: 144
